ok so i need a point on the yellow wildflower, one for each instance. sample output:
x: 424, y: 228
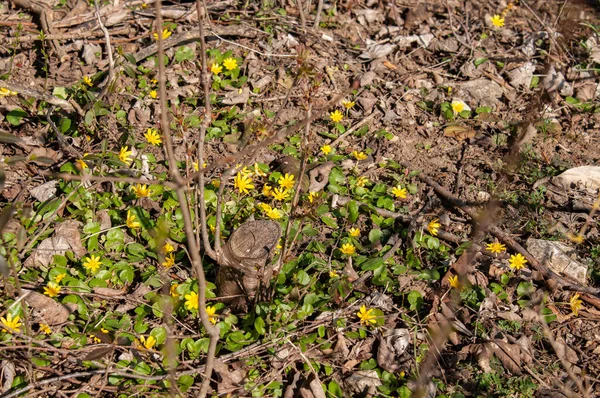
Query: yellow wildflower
x: 361, y: 181
x: 4, y: 92
x: 45, y: 328
x: 497, y: 21
x: 153, y: 137
x: 87, y: 80
x: 92, y: 263
x: 52, y: 290
x: 131, y: 223
x: 354, y: 232
x: 243, y: 183
x: 173, y: 290
x: 10, y: 324
x: 312, y: 196
x: 191, y: 301
x: 153, y: 94
x: 147, y: 343
x: 399, y: 193
x: 211, y: 311
x: 168, y: 248
x: 230, y: 63
x: 433, y: 227
x: 576, y: 304
x: 359, y: 155
x: 348, y: 249
x: 453, y: 280
x: 81, y: 163
x: 144, y: 6
x: 517, y: 262
x: 286, y: 181
x: 273, y: 214
x: 216, y: 69
x: 124, y: 155
x: 169, y: 260
x: 348, y: 104
x: 59, y: 277
x: 141, y: 191
x: 495, y: 247
x: 336, y: 116
x: 333, y: 274
x: 326, y: 149
x: 165, y: 34
x: 258, y: 172
x: 367, y: 317
x: 280, y: 194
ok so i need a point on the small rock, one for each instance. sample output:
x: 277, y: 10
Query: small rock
x: 555, y: 255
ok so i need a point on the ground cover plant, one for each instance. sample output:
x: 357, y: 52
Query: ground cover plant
x: 295, y: 199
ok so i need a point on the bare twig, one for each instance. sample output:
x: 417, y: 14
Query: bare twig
x: 111, y: 62
x: 69, y: 106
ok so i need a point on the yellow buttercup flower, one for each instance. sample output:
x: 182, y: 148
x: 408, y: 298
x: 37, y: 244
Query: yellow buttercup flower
x: 333, y: 274
x: 141, y: 191
x: 495, y: 247
x: 399, y: 193
x: 173, y: 290
x: 517, y: 261
x: 286, y: 181
x: 280, y: 194
x: 243, y: 183
x: 216, y: 69
x: 230, y: 63
x: 312, y: 196
x: 4, y: 92
x: 92, y: 263
x: 258, y: 172
x: 45, y: 328
x: 273, y: 214
x: 359, y: 155
x: 81, y: 163
x: 168, y: 248
x: 267, y: 190
x: 326, y: 149
x: 10, y: 324
x: 147, y: 343
x: 52, y: 290
x: 169, y: 260
x: 153, y: 94
x: 336, y: 116
x: 367, y: 317
x: 576, y: 304
x: 87, y: 80
x: 433, y: 227
x: 348, y: 104
x: 348, y: 249
x: 124, y: 155
x: 165, y: 34
x: 191, y: 301
x: 131, y: 223
x: 361, y: 181
x: 497, y: 21
x: 453, y: 280
x: 354, y: 232
x: 211, y: 311
x: 153, y: 137
x: 59, y: 277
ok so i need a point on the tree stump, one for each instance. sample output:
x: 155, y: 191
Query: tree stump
x: 244, y: 260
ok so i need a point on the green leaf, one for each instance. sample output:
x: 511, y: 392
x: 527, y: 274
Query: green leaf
x: 337, y: 176
x: 352, y: 211
x: 115, y: 240
x: 572, y: 101
x: 375, y: 235
x: 334, y: 389
x: 303, y: 277
x: 259, y: 325
x: 330, y: 222
x: 479, y: 61
x: 184, y: 53
x: 160, y: 334
x: 415, y: 300
x: 15, y: 116
x: 60, y: 92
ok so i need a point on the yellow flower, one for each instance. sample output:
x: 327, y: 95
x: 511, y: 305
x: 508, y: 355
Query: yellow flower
x: 333, y: 274
x: 165, y: 34
x: 4, y: 92
x: 144, y: 6
x: 326, y: 149
x: 453, y: 280
x: 141, y: 191
x: 497, y: 21
x: 153, y: 137
x: 246, y: 171
x: 348, y: 104
x: 361, y: 181
x: 367, y: 317
x: 517, y: 262
x: 264, y: 207
x: 216, y: 69
x: 348, y: 249
x: 336, y: 116
x: 258, y: 172
x: 81, y: 163
x: 154, y: 81
x: 45, y: 328
x: 286, y: 181
x: 87, y: 80
x: 95, y: 339
x: 230, y: 63
x: 131, y: 223
x: 10, y: 324
x: 312, y: 196
x: 576, y: 304
x: 458, y: 106
x: 280, y: 194
x: 147, y: 343
x: 216, y: 183
x: 168, y: 248
x: 169, y: 260
x: 52, y: 290
x: 211, y: 311
x: 495, y: 247
x: 191, y: 301
x: 433, y: 227
x: 59, y: 277
x: 92, y: 263
x: 354, y: 232
x: 399, y: 193
x: 173, y: 290
x: 243, y: 183
x: 153, y: 94
x: 124, y: 155
x: 273, y: 214
x: 359, y: 155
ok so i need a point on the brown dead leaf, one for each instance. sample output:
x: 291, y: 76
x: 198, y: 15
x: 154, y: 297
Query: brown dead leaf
x: 508, y: 354
x: 106, y: 291
x: 390, y: 65
x: 385, y: 356
x: 459, y: 132
x: 66, y: 237
x: 49, y: 310
x: 227, y: 379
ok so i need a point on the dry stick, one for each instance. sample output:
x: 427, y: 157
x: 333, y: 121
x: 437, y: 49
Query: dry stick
x: 69, y: 106
x: 318, y: 17
x: 90, y: 177
x: 193, y: 245
x: 301, y: 11
x: 206, y: 121
x: 111, y: 62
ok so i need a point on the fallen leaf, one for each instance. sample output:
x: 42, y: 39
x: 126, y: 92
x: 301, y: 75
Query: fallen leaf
x: 50, y: 311
x: 459, y: 132
x: 390, y: 65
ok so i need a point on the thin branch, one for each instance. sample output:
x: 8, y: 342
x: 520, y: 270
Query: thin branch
x: 111, y: 62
